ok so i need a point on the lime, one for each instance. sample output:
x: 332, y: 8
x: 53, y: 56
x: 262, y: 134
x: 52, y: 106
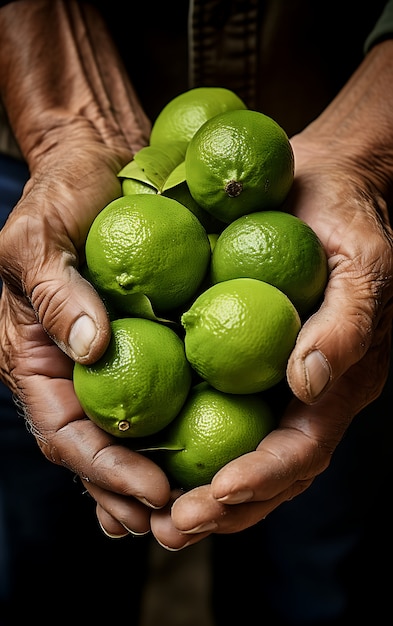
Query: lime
x: 181, y: 193
x: 129, y: 186
x: 147, y: 244
x: 183, y: 115
x: 275, y: 247
x: 140, y: 383
x: 239, y: 334
x: 239, y: 162
x: 212, y: 429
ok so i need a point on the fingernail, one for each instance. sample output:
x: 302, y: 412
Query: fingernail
x: 173, y: 549
x: 110, y: 535
x: 134, y: 533
x: 317, y: 372
x: 149, y: 504
x: 81, y: 336
x: 238, y: 497
x: 203, y: 528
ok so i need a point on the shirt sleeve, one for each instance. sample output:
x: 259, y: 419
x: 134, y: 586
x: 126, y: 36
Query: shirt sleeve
x: 383, y: 28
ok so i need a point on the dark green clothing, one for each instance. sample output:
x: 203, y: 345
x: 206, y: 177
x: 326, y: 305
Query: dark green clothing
x: 383, y: 29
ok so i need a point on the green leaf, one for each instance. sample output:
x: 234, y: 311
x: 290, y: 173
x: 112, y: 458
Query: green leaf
x: 132, y: 170
x: 157, y: 163
x: 139, y: 305
x: 176, y: 177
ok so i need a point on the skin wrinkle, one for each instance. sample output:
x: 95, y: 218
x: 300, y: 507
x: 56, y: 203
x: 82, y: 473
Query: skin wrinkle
x: 56, y: 457
x: 28, y: 225
x: 329, y: 195
x: 105, y: 98
x: 98, y: 459
x: 108, y: 77
x: 95, y: 459
x: 314, y: 452
x: 49, y: 309
x: 365, y: 280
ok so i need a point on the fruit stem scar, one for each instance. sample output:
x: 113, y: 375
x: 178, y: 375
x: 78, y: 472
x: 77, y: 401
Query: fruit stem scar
x: 123, y: 425
x: 125, y: 280
x: 233, y: 188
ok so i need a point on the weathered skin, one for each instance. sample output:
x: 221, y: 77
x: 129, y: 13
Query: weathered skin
x: 77, y: 121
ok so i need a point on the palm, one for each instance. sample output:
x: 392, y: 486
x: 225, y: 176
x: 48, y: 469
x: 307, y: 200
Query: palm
x: 350, y: 329
x: 42, y: 301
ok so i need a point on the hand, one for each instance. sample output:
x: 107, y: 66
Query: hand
x: 338, y: 366
x: 76, y: 128
x: 50, y: 316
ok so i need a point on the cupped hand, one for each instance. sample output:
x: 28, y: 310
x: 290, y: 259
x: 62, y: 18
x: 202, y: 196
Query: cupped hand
x: 338, y: 366
x: 50, y: 317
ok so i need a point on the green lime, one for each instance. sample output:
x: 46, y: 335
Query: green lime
x: 147, y: 244
x: 239, y: 162
x: 130, y: 186
x: 183, y: 115
x: 140, y: 383
x: 212, y: 429
x: 275, y: 247
x: 239, y: 334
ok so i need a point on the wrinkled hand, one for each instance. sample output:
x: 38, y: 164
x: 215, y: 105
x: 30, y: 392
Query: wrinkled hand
x: 338, y: 366
x: 50, y: 315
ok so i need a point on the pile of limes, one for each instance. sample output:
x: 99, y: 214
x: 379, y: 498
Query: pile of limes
x: 207, y: 281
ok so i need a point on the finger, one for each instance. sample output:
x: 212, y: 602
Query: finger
x: 302, y: 446
x: 167, y: 534
x: 199, y: 513
x: 69, y: 309
x: 241, y: 494
x: 72, y: 313
x: 68, y: 438
x: 325, y: 350
x: 88, y: 451
x: 66, y: 305
x: 285, y: 462
x: 109, y: 525
x: 42, y: 380
x: 117, y: 515
x: 279, y: 468
x: 360, y: 269
x: 289, y: 458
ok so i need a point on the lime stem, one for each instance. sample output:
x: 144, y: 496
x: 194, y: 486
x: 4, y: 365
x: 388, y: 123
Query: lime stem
x: 233, y: 188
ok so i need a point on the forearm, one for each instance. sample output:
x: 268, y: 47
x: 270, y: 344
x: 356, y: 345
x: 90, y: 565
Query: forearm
x: 60, y: 73
x: 358, y: 125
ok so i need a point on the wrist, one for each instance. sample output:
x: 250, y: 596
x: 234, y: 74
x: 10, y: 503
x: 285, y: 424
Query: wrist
x: 356, y: 129
x: 70, y: 78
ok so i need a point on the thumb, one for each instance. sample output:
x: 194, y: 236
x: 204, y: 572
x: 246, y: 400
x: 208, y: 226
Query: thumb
x: 336, y: 337
x: 73, y: 314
